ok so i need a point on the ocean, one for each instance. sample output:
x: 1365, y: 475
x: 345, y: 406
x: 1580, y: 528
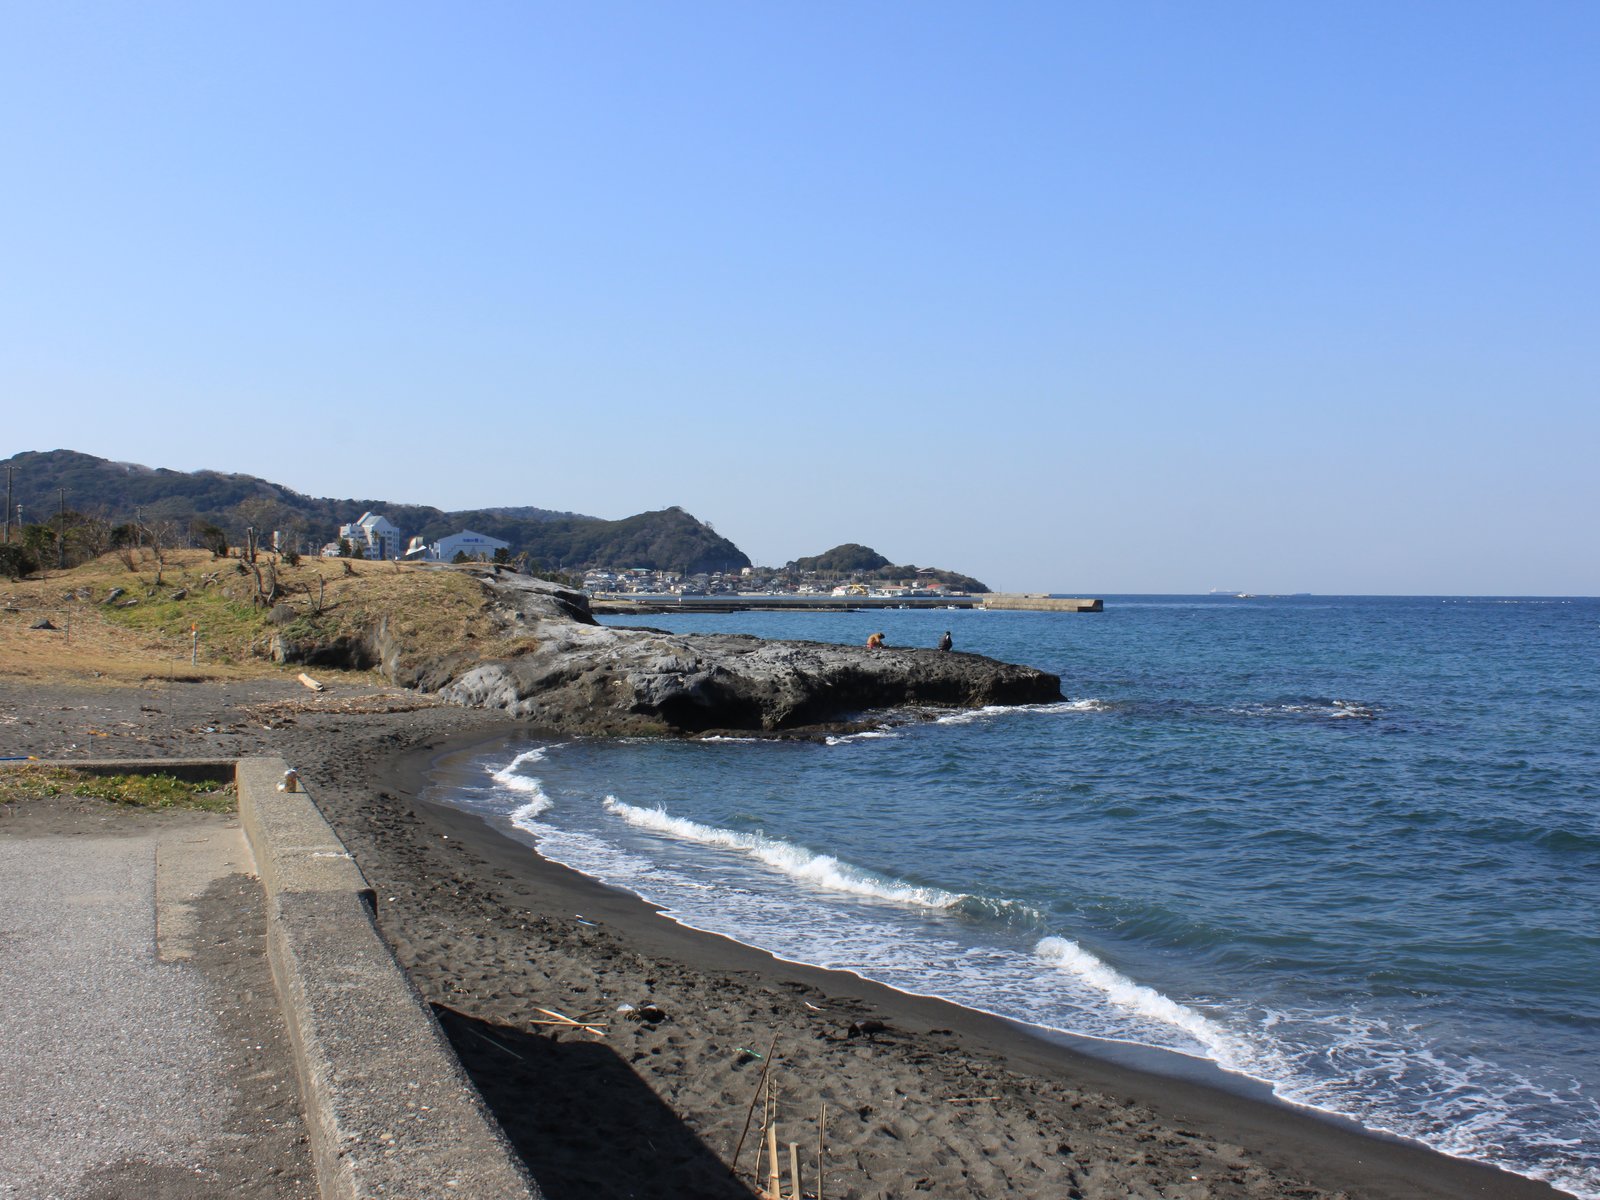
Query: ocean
x: 1348, y: 848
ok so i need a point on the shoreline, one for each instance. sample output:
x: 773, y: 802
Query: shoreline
x: 1331, y: 1149
x: 921, y: 1094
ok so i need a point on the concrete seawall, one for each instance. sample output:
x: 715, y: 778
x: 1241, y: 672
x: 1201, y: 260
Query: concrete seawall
x: 1038, y: 602
x: 389, y: 1109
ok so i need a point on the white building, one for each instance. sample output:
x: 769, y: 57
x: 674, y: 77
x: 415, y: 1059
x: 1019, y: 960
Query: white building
x: 474, y: 545
x: 375, y: 536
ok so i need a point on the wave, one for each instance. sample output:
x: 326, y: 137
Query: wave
x: 1312, y: 706
x: 969, y: 715
x: 1143, y: 1002
x: 866, y: 736
x: 823, y: 870
x: 511, y: 780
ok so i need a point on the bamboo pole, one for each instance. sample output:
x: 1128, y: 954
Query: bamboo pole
x: 822, y: 1144
x: 751, y: 1111
x: 774, y: 1184
x: 794, y: 1170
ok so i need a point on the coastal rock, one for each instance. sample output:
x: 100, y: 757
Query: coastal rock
x: 566, y: 672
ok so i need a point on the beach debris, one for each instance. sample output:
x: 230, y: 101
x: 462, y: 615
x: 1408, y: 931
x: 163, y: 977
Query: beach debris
x: 290, y: 781
x: 761, y: 1081
x: 822, y: 1145
x: 114, y: 595
x: 42, y: 623
x: 865, y: 1028
x: 583, y: 920
x: 561, y: 1019
x: 647, y: 1013
x: 496, y: 1044
x: 971, y: 1099
x: 310, y: 682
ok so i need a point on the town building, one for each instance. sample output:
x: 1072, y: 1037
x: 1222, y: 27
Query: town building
x: 474, y: 545
x: 375, y: 536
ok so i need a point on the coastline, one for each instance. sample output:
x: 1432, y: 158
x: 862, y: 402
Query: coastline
x: 1261, y: 1145
x: 925, y: 1096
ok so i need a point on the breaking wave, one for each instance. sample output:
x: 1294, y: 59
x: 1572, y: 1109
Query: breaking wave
x: 821, y: 870
x: 511, y: 780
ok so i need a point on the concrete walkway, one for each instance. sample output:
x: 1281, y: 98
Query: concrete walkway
x: 109, y: 1047
x: 177, y: 1024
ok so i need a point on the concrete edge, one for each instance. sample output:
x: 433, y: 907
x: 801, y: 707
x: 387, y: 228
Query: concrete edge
x: 389, y: 1109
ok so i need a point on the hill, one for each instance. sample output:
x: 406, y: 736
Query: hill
x: 180, y: 504
x: 862, y: 564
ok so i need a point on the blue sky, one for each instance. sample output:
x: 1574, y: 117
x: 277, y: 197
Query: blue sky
x: 1094, y: 298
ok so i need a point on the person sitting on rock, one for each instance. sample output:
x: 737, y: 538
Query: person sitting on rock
x: 875, y: 641
x: 945, y: 643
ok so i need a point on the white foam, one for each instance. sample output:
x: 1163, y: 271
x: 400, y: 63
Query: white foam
x: 968, y: 716
x: 820, y: 870
x: 867, y: 736
x: 509, y: 778
x: 1143, y: 1002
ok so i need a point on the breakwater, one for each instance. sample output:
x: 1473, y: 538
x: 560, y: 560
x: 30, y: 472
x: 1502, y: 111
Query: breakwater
x: 617, y: 604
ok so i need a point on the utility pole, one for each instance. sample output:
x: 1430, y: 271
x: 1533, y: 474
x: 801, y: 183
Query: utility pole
x: 8, y: 505
x: 61, y: 535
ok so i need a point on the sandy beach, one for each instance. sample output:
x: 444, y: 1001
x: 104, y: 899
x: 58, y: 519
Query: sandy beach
x: 919, y: 1096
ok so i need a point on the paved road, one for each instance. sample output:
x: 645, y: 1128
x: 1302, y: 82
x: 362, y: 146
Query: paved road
x: 116, y: 1063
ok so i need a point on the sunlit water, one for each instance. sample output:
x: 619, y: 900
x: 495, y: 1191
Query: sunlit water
x: 1347, y: 847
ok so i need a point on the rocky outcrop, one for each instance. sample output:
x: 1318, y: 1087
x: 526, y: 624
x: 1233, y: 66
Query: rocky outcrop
x: 564, y: 671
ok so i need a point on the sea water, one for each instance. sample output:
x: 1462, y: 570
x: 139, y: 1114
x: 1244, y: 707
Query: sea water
x: 1346, y: 847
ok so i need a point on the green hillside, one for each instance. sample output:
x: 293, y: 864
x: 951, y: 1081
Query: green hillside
x: 178, y: 504
x: 863, y: 564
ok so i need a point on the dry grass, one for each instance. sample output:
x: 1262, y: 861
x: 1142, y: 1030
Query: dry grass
x: 191, y: 593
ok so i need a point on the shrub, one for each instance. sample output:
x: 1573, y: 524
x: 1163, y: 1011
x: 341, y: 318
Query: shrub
x: 17, y: 561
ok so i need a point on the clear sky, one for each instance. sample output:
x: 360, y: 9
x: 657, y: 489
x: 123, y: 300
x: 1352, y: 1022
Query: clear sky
x: 1074, y: 297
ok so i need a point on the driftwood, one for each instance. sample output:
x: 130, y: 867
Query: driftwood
x: 751, y: 1111
x: 564, y: 1020
x: 310, y: 682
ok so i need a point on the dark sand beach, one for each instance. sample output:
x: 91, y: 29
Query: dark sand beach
x: 920, y: 1096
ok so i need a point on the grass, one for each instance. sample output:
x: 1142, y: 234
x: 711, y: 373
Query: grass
x: 192, y: 603
x: 154, y: 791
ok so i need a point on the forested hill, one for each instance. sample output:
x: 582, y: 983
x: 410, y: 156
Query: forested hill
x: 855, y: 561
x: 668, y: 540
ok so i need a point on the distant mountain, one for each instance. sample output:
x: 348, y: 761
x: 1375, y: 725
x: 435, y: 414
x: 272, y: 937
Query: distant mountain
x: 853, y: 561
x: 669, y: 540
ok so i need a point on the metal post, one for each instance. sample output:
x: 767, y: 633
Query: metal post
x: 194, y: 644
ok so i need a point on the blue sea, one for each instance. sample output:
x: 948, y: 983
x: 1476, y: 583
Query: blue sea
x: 1348, y: 848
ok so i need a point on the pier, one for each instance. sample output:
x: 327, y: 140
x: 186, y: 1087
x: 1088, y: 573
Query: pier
x: 615, y: 603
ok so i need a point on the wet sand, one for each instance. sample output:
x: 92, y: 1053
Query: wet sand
x: 919, y: 1095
